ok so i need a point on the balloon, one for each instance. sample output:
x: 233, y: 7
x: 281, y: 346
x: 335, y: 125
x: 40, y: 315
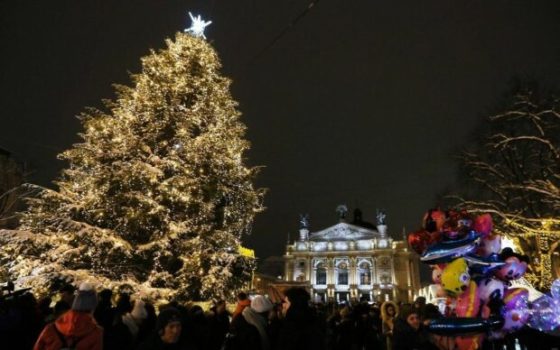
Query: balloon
x: 491, y: 244
x: 457, y: 225
x: 419, y: 241
x: 472, y: 342
x: 555, y: 289
x: 483, y: 265
x: 516, y: 310
x: 464, y: 325
x: 455, y: 277
x: 446, y: 251
x: 515, y: 267
x: 483, y: 224
x: 434, y: 220
x: 491, y: 288
x: 440, y: 293
x: 545, y: 313
x: 512, y: 270
x: 468, y: 303
x: 436, y: 274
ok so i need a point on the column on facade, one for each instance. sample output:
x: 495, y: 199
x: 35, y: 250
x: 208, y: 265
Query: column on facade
x: 287, y: 270
x: 313, y: 277
x: 308, y: 268
x: 409, y: 279
x: 330, y: 276
x: 352, y: 271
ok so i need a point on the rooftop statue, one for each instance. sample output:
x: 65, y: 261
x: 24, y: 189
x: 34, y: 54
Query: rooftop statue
x: 381, y: 217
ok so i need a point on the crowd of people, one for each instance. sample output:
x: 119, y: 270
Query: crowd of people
x: 85, y: 319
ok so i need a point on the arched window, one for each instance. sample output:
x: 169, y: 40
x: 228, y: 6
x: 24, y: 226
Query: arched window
x: 365, y: 273
x: 342, y: 273
x: 321, y: 274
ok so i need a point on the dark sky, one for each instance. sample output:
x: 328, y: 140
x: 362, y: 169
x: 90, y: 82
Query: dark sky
x: 360, y: 102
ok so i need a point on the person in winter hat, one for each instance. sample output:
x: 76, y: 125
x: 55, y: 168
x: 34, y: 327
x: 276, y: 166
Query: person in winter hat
x: 250, y: 329
x: 168, y: 332
x: 76, y: 328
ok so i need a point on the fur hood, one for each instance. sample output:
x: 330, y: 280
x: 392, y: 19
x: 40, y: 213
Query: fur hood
x: 384, y: 310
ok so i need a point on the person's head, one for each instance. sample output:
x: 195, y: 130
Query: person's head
x: 241, y: 296
x: 410, y: 315
x: 67, y: 293
x: 124, y: 305
x: 431, y: 312
x: 390, y: 310
x: 420, y: 302
x: 105, y: 296
x: 220, y: 306
x: 297, y: 298
x: 86, y: 299
x: 169, y: 326
x: 345, y: 312
x: 60, y: 307
x: 261, y: 304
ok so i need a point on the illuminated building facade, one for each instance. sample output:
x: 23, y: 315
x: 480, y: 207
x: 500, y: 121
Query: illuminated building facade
x: 352, y: 261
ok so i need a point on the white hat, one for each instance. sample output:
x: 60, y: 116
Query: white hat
x: 261, y: 304
x: 86, y: 300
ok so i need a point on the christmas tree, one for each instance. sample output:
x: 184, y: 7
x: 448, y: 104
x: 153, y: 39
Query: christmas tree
x: 157, y: 195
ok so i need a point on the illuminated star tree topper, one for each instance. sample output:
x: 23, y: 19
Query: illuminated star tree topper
x: 197, y: 26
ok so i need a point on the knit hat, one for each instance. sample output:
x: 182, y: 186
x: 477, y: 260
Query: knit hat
x: 139, y: 311
x: 166, y: 316
x: 261, y: 304
x: 86, y: 299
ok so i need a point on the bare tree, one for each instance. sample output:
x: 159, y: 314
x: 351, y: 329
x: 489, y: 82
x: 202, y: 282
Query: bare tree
x: 512, y: 170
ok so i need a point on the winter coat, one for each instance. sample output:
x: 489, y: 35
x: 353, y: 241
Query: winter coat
x: 154, y: 342
x: 243, y: 336
x: 407, y: 338
x: 300, y: 330
x: 219, y: 326
x: 387, y: 323
x: 79, y: 329
x: 241, y: 305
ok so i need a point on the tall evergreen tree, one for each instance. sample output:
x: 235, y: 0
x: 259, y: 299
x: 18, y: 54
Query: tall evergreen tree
x: 157, y: 195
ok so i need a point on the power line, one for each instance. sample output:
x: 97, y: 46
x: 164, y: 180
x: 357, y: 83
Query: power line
x: 286, y: 29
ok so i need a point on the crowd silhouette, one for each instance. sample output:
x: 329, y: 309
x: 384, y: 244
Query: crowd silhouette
x: 85, y: 319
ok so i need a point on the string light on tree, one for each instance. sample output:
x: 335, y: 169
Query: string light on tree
x: 156, y: 194
x: 198, y: 25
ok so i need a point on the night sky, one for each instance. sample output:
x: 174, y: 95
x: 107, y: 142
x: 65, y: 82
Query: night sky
x: 359, y: 102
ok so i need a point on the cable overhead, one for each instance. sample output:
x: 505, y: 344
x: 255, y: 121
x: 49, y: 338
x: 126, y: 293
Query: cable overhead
x: 287, y: 28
